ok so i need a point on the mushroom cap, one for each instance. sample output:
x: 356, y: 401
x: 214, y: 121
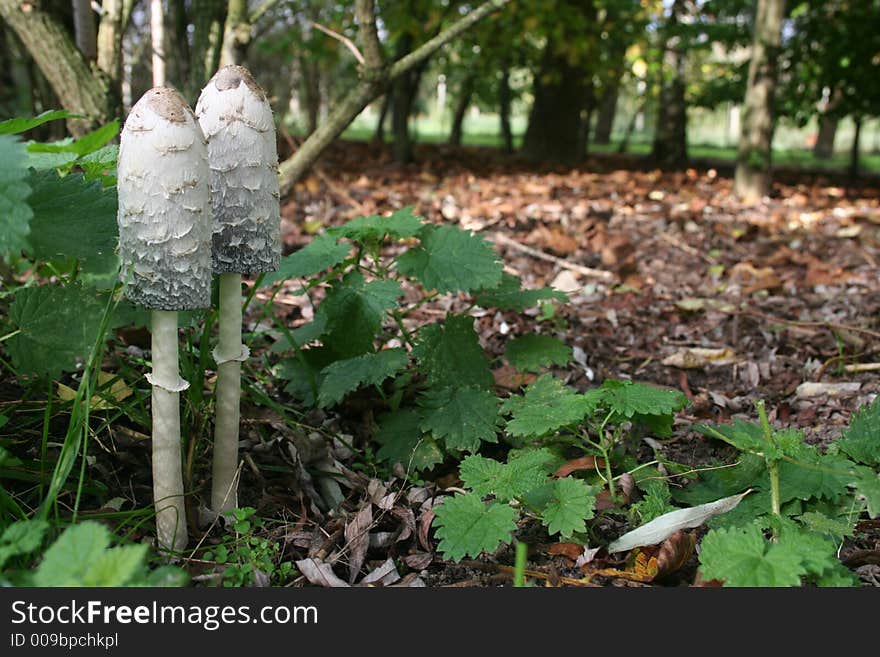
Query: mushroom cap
x: 164, y: 211
x: 237, y: 121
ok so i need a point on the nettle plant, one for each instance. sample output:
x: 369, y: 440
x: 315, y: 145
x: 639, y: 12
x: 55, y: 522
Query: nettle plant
x: 436, y: 391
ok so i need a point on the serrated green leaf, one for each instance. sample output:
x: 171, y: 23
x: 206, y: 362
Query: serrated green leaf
x: 719, y: 481
x: 468, y: 526
x: 402, y: 223
x: 117, y: 566
x: 73, y: 218
x: 303, y: 372
x: 20, y: 124
x: 817, y: 553
x: 22, y: 537
x: 822, y: 524
x: 867, y: 484
x: 449, y: 355
x: 546, y: 405
x: 509, y: 295
x: 572, y: 503
x: 462, y: 417
x: 345, y: 376
x: 56, y: 326
x: 404, y: 442
x: 861, y: 440
x: 529, y: 353
x: 14, y: 210
x: 627, y: 399
x: 450, y: 259
x: 354, y: 310
x: 506, y: 481
x: 740, y: 556
x: 814, y: 476
x: 745, y: 436
x: 321, y: 253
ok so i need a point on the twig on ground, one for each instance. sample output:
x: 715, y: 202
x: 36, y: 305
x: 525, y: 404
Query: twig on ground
x: 589, y: 272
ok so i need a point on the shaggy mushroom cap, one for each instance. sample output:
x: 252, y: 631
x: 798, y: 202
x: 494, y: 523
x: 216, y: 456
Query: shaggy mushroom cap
x: 164, y: 211
x: 236, y: 119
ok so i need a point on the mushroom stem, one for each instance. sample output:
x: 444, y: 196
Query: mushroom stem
x: 229, y: 353
x: 167, y: 474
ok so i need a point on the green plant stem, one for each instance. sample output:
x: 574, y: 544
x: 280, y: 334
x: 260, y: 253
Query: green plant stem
x: 519, y: 568
x: 772, y: 463
x: 224, y: 495
x: 171, y: 531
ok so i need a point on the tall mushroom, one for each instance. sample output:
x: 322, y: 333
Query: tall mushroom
x: 237, y: 121
x: 164, y: 221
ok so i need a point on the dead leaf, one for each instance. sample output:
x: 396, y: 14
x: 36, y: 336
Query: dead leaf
x: 582, y: 463
x: 108, y: 398
x: 418, y: 560
x: 572, y: 551
x: 358, y: 541
x: 384, y: 575
x: 675, y: 552
x: 320, y: 573
x: 699, y: 357
x: 810, y: 389
x: 509, y: 378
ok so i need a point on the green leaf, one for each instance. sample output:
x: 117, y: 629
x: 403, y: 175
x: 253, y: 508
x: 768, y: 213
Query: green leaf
x: 867, y: 485
x: 822, y: 524
x: 740, y: 556
x: 18, y: 125
x: 506, y: 481
x: 450, y: 354
x: 546, y: 405
x: 509, y: 295
x: 303, y: 371
x: 450, y: 260
x: 745, y: 436
x: 82, y: 557
x: 402, y: 223
x: 15, y: 212
x: 22, y: 537
x: 627, y: 398
x: 468, y: 526
x: 56, y: 326
x: 462, y: 417
x: 814, y: 476
x: 530, y: 353
x: 720, y: 480
x: 572, y: 502
x: 861, y: 440
x: 73, y: 218
x: 321, y: 253
x: 354, y: 310
x: 345, y: 376
x: 403, y: 441
x: 818, y: 554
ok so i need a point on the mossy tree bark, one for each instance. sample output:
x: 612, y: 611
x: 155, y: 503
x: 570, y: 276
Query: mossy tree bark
x: 753, y: 160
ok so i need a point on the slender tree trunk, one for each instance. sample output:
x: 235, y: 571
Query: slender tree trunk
x: 178, y: 42
x: 823, y: 149
x: 505, y: 100
x: 402, y: 101
x: 84, y: 28
x: 753, y: 161
x: 461, y: 105
x: 61, y: 63
x: 236, y: 34
x: 310, y: 74
x: 631, y: 127
x: 157, y: 42
x: 854, y: 148
x: 208, y: 17
x: 607, y: 112
x: 670, y: 135
x: 379, y: 135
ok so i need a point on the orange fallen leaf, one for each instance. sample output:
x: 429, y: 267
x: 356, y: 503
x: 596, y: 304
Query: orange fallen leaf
x: 582, y: 463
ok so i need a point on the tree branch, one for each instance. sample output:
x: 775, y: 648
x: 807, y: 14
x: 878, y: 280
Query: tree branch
x: 367, y: 35
x: 342, y: 39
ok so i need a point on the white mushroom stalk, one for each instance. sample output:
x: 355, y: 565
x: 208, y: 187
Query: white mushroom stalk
x: 165, y: 246
x: 237, y: 121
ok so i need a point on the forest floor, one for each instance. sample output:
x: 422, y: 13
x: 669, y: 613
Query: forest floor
x: 672, y: 282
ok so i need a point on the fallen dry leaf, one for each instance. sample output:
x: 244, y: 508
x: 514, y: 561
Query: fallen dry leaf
x: 699, y: 357
x: 582, y: 463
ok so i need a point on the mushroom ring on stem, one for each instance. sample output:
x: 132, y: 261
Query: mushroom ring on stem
x: 237, y: 121
x: 164, y: 222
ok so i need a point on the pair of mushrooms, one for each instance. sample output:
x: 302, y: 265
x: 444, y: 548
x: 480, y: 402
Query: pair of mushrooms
x: 198, y: 195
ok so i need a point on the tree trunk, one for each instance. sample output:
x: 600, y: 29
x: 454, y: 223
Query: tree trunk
x: 236, y: 34
x: 505, y: 98
x: 406, y: 88
x: 61, y: 63
x: 753, y: 160
x: 670, y: 134
x: 208, y: 18
x: 555, y: 117
x: 607, y: 112
x: 310, y: 92
x: 84, y: 29
x: 157, y: 42
x: 823, y: 149
x: 178, y: 42
x: 854, y: 148
x: 461, y: 105
x: 379, y: 135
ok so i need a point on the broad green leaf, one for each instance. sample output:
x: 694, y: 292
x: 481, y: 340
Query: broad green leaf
x: 718, y: 480
x: 45, y: 161
x: 509, y: 295
x: 468, y: 526
x: 654, y: 503
x: 745, y: 436
x: 68, y: 560
x: 546, y: 405
x: 861, y: 440
x: 818, y: 554
x: 89, y: 143
x: 321, y: 253
x: 404, y: 442
x: 116, y: 567
x: 450, y: 259
x: 506, y: 481
x: 15, y: 213
x: 56, y: 326
x: 814, y: 476
x: 400, y: 224
x: 73, y: 218
x: 867, y: 485
x: 449, y: 355
x: 530, y: 353
x: 462, y: 417
x: 18, y: 124
x: 303, y: 372
x: 822, y: 524
x: 345, y: 376
x: 627, y: 398
x: 740, y: 556
x: 354, y: 310
x: 21, y: 537
x: 572, y: 502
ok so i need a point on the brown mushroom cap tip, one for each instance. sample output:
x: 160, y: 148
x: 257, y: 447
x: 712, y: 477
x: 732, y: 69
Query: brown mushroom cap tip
x: 229, y: 77
x: 167, y: 103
